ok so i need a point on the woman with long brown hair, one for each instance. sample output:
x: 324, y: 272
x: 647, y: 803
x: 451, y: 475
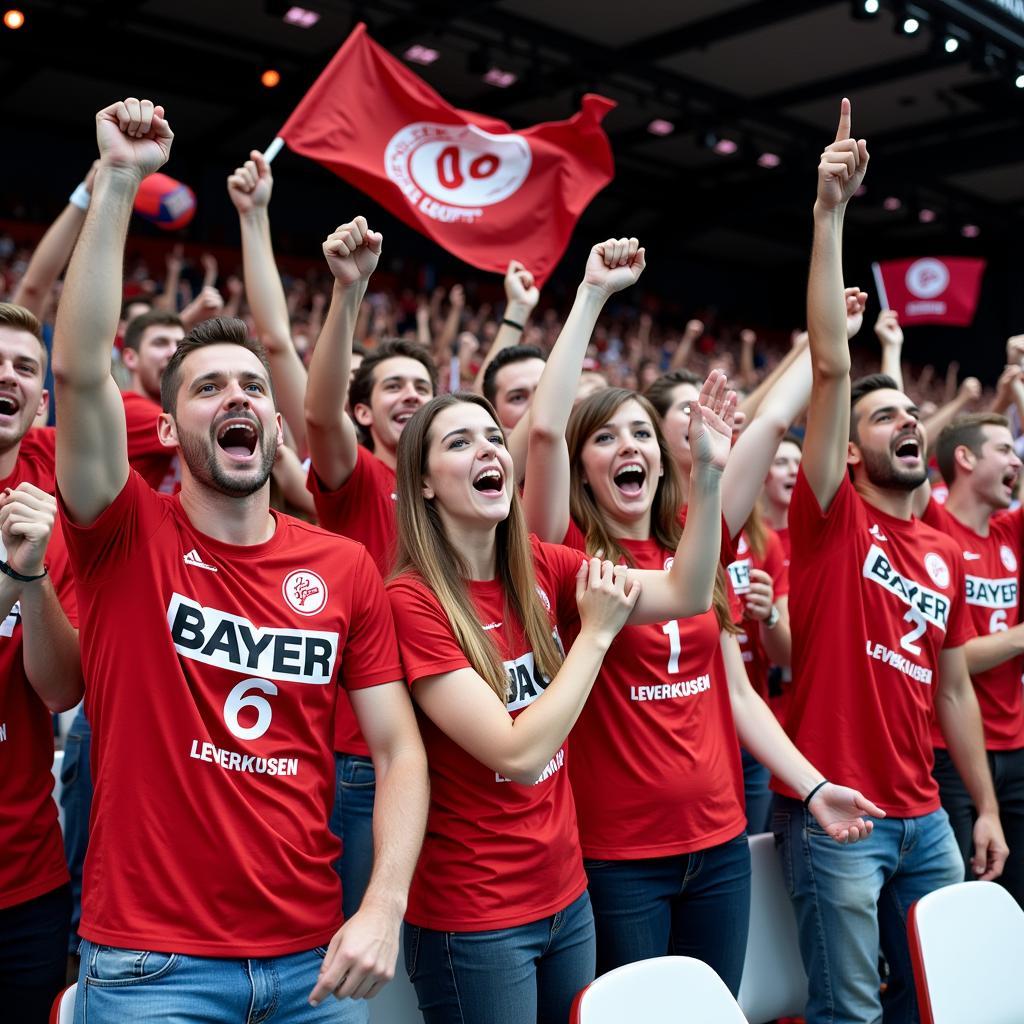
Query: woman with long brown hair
x: 656, y: 767
x: 499, y: 928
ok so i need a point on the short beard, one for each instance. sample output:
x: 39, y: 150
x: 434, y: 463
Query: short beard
x: 882, y: 473
x: 200, y: 455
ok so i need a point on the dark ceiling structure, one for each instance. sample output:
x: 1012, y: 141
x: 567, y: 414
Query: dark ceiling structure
x: 743, y: 92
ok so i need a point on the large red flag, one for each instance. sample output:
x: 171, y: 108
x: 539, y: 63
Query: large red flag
x: 480, y: 190
x: 931, y: 290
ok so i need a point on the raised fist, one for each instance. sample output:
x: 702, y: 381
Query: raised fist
x: 520, y: 288
x: 27, y: 515
x: 614, y: 265
x: 695, y: 328
x: 1015, y: 348
x: 133, y: 136
x: 887, y: 327
x: 856, y: 303
x: 747, y: 336
x: 250, y: 185
x: 970, y: 389
x: 352, y: 252
x: 842, y: 166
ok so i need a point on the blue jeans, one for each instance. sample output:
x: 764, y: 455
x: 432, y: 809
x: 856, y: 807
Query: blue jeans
x: 852, y: 900
x: 352, y: 822
x: 756, y: 793
x: 691, y: 904
x: 116, y: 986
x: 530, y: 973
x: 76, y: 799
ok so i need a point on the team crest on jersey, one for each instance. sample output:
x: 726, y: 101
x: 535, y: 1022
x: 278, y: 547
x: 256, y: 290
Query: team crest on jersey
x: 669, y: 562
x: 544, y: 599
x: 305, y: 591
x: 1008, y: 558
x: 937, y: 569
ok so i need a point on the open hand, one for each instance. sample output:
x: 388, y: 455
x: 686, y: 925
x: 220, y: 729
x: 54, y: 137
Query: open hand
x: 711, y: 422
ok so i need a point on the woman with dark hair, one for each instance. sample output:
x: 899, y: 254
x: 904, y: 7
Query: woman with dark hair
x: 656, y: 765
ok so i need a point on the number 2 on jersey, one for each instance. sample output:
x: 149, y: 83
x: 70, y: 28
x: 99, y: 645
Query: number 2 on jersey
x: 920, y: 625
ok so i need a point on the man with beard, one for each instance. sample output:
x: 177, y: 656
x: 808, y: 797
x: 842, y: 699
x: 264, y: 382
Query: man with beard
x: 214, y: 633
x: 879, y: 624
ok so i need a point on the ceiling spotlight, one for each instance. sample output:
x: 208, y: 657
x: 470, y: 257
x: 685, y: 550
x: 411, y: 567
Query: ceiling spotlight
x: 725, y: 147
x: 270, y: 78
x: 951, y: 44
x: 769, y: 160
x: 14, y: 19
x: 659, y: 126
x: 301, y: 17
x: 926, y: 216
x: 970, y: 231
x: 500, y: 78
x: 892, y: 204
x: 864, y: 9
x: 910, y: 25
x: 419, y: 54
x: 1019, y: 81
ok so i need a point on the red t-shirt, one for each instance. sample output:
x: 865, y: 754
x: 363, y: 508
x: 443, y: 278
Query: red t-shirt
x: 497, y: 854
x: 873, y: 601
x: 773, y: 562
x: 210, y: 672
x: 362, y: 508
x: 992, y: 575
x: 157, y: 465
x: 31, y: 848
x: 787, y: 546
x: 655, y: 763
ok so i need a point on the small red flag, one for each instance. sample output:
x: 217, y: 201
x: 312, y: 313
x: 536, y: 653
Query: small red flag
x: 930, y: 290
x: 484, y: 192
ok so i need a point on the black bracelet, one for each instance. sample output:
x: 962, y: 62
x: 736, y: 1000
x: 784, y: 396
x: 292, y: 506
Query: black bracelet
x: 8, y: 571
x: 512, y: 323
x: 807, y: 799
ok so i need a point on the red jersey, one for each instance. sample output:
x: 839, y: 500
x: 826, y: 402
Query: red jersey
x: 210, y: 672
x: 655, y: 763
x: 362, y: 508
x: 32, y: 859
x: 992, y: 579
x: 157, y: 465
x: 787, y: 545
x: 874, y: 600
x: 773, y: 562
x: 497, y: 853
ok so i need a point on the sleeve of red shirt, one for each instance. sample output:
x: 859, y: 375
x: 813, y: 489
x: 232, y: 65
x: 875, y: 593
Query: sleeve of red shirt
x: 370, y: 656
x: 775, y: 564
x: 334, y: 509
x: 556, y: 566
x: 960, y: 628
x: 141, y: 419
x: 58, y: 565
x: 96, y: 551
x: 935, y: 515
x: 810, y: 529
x: 425, y: 639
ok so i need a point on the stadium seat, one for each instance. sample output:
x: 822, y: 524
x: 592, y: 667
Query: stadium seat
x: 965, y: 943
x: 676, y: 989
x: 58, y: 764
x: 774, y: 981
x: 63, y: 1010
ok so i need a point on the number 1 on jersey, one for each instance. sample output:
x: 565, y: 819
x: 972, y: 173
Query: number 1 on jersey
x: 671, y: 630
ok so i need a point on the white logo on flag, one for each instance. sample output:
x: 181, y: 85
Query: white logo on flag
x: 927, y: 278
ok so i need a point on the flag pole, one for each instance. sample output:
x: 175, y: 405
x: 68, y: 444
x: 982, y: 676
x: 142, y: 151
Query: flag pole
x: 875, y: 269
x: 273, y: 149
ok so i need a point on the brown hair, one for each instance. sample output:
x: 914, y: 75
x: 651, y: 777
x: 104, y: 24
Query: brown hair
x: 220, y: 330
x: 589, y: 415
x: 18, y: 318
x: 154, y: 318
x: 964, y: 431
x: 425, y: 549
x: 361, y: 388
x: 659, y: 394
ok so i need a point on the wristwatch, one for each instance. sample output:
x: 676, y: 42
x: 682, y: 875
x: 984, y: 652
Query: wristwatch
x: 773, y: 618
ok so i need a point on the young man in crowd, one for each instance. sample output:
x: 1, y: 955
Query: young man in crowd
x: 510, y: 381
x: 209, y: 889
x: 980, y: 467
x: 40, y: 673
x: 879, y: 627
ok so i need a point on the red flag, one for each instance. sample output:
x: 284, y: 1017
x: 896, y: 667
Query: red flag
x: 482, y: 191
x: 930, y: 290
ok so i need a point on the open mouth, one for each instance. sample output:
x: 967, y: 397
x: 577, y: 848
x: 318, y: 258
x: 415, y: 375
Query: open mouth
x: 8, y: 406
x: 489, y: 481
x: 908, y: 448
x: 630, y: 479
x: 238, y: 438
x: 1010, y: 478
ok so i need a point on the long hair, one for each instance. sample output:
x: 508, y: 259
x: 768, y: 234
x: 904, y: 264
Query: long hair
x: 593, y: 412
x: 756, y: 531
x: 426, y: 550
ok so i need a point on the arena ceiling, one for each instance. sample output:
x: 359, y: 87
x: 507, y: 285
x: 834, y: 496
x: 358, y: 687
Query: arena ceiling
x: 944, y: 128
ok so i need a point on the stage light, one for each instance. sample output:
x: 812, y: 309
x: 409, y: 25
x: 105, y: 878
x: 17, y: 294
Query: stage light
x: 951, y: 45
x: 892, y: 204
x: 13, y: 19
x: 419, y: 54
x: 864, y: 9
x: 659, y: 126
x: 1019, y: 80
x: 270, y: 78
x: 926, y: 216
x: 301, y: 17
x: 725, y: 147
x: 910, y: 25
x: 500, y: 78
x: 769, y: 160
x: 970, y: 231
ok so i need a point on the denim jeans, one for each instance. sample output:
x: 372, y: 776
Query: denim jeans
x: 33, y: 955
x: 116, y: 986
x: 521, y: 975
x: 851, y: 901
x: 352, y: 822
x: 76, y: 800
x: 1007, y: 767
x: 692, y: 904
x: 756, y: 793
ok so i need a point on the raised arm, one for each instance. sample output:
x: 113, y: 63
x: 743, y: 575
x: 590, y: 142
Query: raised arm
x: 840, y: 174
x: 681, y: 356
x: 92, y: 450
x: 250, y: 187
x: 890, y: 337
x: 352, y: 252
x: 611, y: 266
x: 521, y: 298
x: 968, y: 393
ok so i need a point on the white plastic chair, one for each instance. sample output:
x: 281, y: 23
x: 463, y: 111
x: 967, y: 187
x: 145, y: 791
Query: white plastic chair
x: 774, y: 980
x: 63, y: 1010
x: 966, y: 943
x: 58, y: 786
x: 664, y: 990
